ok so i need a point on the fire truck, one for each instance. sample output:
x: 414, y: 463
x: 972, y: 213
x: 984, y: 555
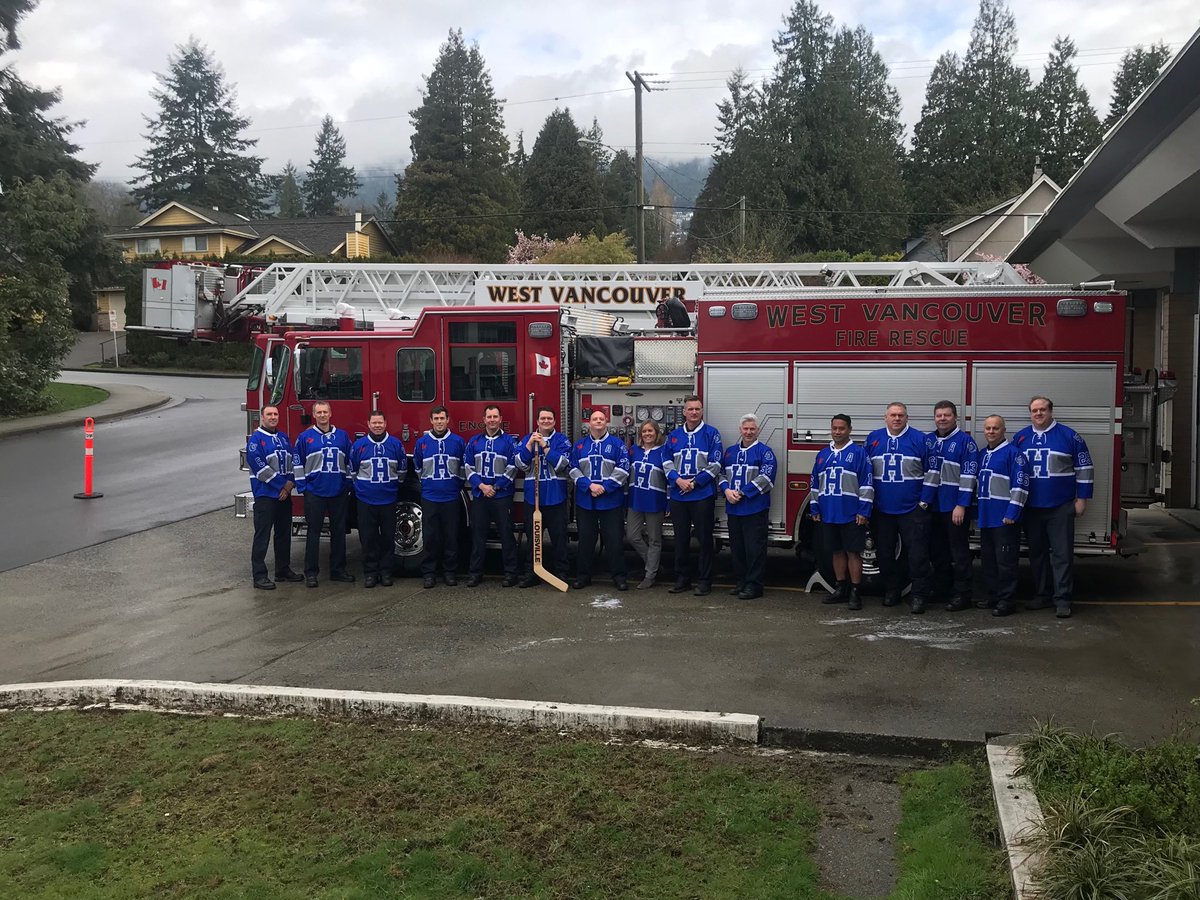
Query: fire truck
x: 793, y: 344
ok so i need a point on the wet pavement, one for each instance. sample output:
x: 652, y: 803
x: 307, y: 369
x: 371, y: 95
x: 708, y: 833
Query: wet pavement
x: 175, y: 602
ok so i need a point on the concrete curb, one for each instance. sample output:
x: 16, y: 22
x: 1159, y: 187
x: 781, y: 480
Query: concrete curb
x: 167, y: 373
x: 685, y: 725
x: 1019, y: 813
x: 868, y: 744
x: 123, y: 400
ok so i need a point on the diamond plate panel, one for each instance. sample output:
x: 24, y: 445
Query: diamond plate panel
x: 664, y: 360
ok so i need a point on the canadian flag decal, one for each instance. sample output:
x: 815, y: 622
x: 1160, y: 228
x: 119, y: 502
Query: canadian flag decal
x: 541, y: 365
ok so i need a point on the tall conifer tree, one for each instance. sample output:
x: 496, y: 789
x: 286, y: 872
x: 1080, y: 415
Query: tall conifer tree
x: 287, y: 193
x: 1139, y: 67
x: 562, y: 189
x: 329, y: 179
x: 1067, y: 126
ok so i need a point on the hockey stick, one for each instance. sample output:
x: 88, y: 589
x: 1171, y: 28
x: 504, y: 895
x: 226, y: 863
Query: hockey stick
x: 541, y: 571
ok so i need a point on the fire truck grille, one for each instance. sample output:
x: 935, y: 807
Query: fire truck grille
x: 664, y: 361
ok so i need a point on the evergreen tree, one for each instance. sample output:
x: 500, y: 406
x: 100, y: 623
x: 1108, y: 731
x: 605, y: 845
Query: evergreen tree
x: 328, y: 179
x: 618, y: 190
x: 1067, y: 126
x: 196, y: 153
x: 1139, y: 67
x: 384, y: 207
x: 562, y: 191
x: 452, y: 198
x: 593, y: 141
x: 941, y: 145
x: 287, y: 194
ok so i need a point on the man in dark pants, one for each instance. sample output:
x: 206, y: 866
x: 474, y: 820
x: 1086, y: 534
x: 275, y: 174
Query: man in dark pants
x: 692, y: 462
x: 270, y: 458
x: 554, y: 450
x: 899, y: 461
x: 1003, y: 489
x: 438, y: 459
x: 379, y: 463
x: 1061, y: 481
x: 746, y: 480
x: 949, y: 487
x: 491, y: 467
x: 600, y: 469
x: 323, y: 477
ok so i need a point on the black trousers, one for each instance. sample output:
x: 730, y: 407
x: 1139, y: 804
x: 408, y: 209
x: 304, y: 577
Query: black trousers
x: 609, y: 526
x: 439, y: 526
x: 377, y: 534
x: 316, y: 508
x: 1051, y: 536
x: 271, y: 515
x: 950, y: 555
x: 554, y: 527
x: 697, y: 516
x: 498, y: 510
x: 999, y: 552
x: 911, y: 529
x: 748, y: 544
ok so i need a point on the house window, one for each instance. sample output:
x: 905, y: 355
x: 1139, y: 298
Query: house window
x: 197, y: 244
x: 146, y: 246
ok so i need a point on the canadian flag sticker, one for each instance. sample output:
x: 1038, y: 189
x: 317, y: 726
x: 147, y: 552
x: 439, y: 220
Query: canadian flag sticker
x: 541, y: 364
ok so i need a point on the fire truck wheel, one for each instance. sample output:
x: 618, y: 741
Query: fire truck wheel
x: 410, y: 541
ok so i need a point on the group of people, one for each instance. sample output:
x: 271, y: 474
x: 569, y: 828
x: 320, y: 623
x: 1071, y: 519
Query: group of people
x: 916, y: 492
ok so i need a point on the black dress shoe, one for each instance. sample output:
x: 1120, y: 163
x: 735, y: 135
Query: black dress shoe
x: 342, y: 576
x: 289, y: 575
x: 985, y: 604
x: 958, y: 604
x: 703, y: 589
x: 836, y: 597
x: 580, y: 583
x: 475, y: 581
x: 1063, y: 612
x: 734, y: 591
x: 451, y: 579
x: 680, y: 587
x: 369, y: 581
x: 1004, y: 610
x: 528, y: 581
x: 621, y: 584
x: 842, y: 592
x: 385, y: 580
x: 509, y: 581
x: 264, y: 584
x: 430, y: 581
x: 918, y: 605
x: 855, y: 599
x: 890, y: 599
x: 310, y: 580
x: 750, y: 595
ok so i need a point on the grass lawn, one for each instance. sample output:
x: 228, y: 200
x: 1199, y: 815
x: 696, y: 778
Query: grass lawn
x: 61, y: 397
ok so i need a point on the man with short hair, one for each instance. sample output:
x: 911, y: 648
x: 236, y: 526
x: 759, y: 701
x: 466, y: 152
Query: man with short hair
x: 841, y: 495
x: 1061, y: 481
x: 600, y: 468
x: 899, y: 461
x: 949, y: 487
x: 547, y: 450
x: 378, y: 463
x: 269, y: 455
x: 748, y: 474
x: 438, y: 459
x: 323, y: 477
x: 491, y: 467
x: 1002, y: 492
x: 692, y: 462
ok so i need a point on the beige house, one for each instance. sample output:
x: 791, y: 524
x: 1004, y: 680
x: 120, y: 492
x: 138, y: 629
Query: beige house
x: 997, y: 231
x: 179, y: 231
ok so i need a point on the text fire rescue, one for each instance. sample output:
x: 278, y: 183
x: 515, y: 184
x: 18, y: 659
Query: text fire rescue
x: 1029, y: 313
x: 637, y: 295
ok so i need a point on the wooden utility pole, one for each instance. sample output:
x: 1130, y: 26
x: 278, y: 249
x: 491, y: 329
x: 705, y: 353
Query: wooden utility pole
x: 639, y: 85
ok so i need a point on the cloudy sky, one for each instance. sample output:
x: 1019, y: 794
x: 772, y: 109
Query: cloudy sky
x: 362, y: 61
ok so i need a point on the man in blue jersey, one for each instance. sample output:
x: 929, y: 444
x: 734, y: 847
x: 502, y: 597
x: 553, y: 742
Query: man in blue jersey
x: 841, y: 496
x: 378, y: 464
x: 491, y: 467
x: 692, y: 462
x: 269, y: 457
x: 899, y: 461
x: 949, y: 487
x: 438, y: 459
x: 323, y: 477
x: 1003, y: 479
x: 747, y: 476
x: 600, y: 468
x: 552, y: 447
x: 1061, y: 481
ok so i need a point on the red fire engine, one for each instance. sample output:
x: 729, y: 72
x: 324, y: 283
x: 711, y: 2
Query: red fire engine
x: 792, y: 344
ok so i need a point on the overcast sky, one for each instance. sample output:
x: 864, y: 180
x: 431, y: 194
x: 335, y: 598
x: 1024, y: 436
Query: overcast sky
x: 363, y: 61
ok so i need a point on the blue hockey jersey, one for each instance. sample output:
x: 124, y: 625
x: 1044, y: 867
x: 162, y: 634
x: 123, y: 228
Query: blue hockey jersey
x: 438, y: 462
x: 491, y: 460
x: 552, y: 475
x: 270, y: 460
x: 1060, y: 466
x: 750, y: 470
x: 843, y: 485
x: 693, y: 454
x: 950, y: 479
x: 1003, y: 485
x: 604, y: 461
x: 647, y: 480
x: 378, y: 468
x: 898, y: 465
x: 323, y: 462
